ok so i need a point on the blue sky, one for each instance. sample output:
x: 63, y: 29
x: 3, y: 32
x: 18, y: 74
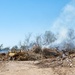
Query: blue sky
x: 20, y: 17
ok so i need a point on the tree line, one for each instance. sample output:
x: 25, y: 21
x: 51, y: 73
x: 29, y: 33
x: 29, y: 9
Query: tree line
x: 41, y: 40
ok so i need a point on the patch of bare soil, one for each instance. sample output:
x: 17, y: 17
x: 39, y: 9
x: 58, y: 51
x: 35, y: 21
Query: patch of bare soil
x: 30, y: 68
x: 23, y: 68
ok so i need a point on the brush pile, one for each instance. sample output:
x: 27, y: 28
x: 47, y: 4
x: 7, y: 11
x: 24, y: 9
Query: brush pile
x: 47, y: 57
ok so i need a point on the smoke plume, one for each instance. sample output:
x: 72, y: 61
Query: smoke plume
x: 63, y: 24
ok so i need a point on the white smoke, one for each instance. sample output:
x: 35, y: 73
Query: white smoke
x: 64, y: 22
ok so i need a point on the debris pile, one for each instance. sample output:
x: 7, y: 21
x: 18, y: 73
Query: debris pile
x: 47, y: 57
x: 69, y: 61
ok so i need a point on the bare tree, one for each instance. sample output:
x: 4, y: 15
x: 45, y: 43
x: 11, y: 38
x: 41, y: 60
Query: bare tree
x: 38, y: 40
x: 48, y: 38
x: 70, y: 41
x: 26, y: 44
x: 71, y: 34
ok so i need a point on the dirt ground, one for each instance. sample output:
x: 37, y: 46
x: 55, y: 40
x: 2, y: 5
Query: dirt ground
x: 29, y: 68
